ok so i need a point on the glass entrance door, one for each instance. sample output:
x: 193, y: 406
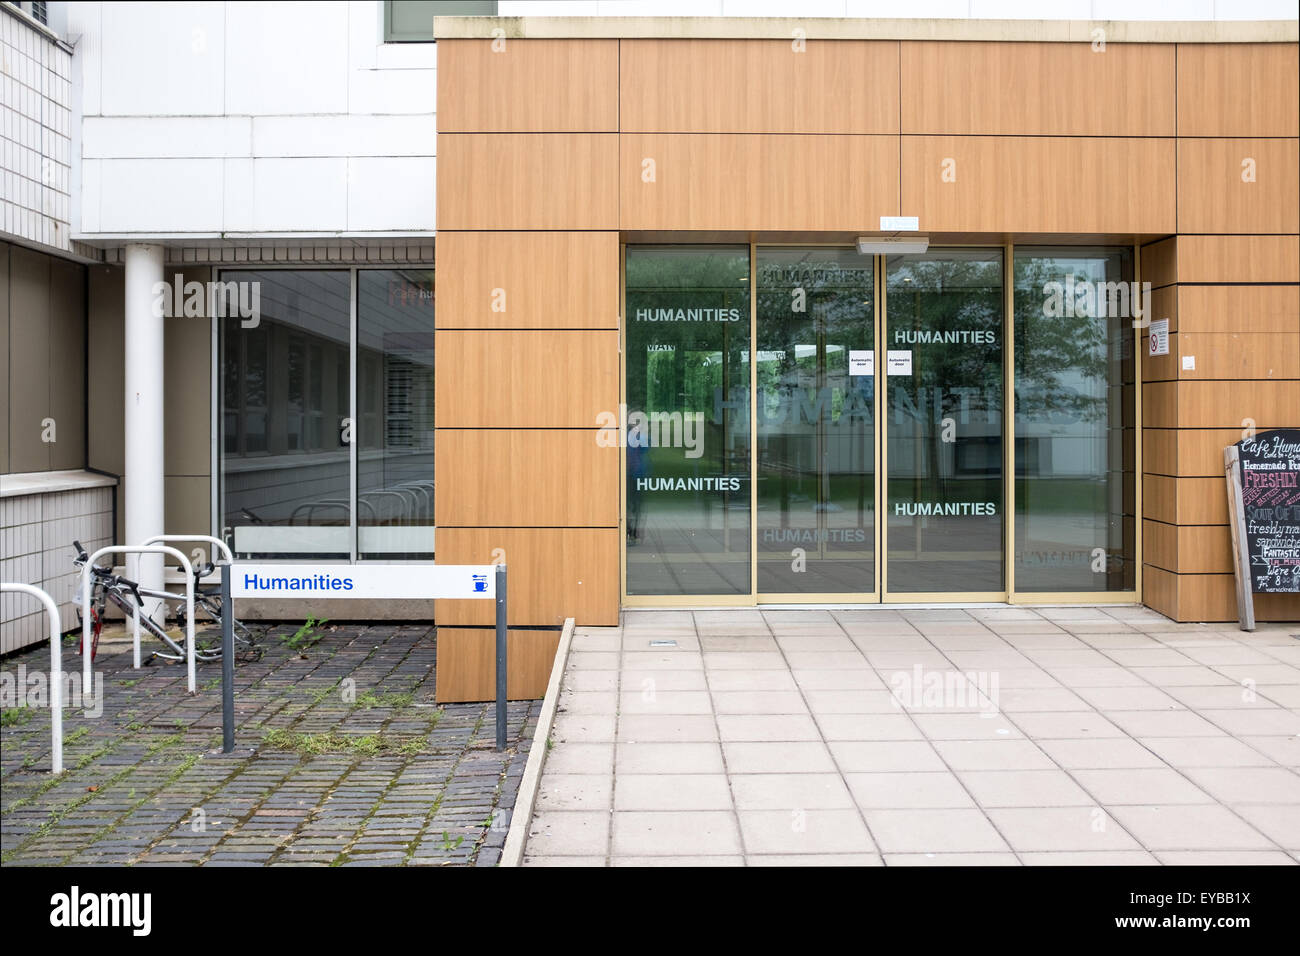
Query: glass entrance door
x: 686, y: 434
x: 815, y: 423
x: 855, y: 428
x: 943, y: 423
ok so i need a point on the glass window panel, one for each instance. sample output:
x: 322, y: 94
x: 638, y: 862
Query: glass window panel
x: 944, y: 312
x: 816, y: 421
x: 1075, y: 525
x: 285, y: 488
x: 395, y: 329
x: 412, y: 20
x: 687, y: 430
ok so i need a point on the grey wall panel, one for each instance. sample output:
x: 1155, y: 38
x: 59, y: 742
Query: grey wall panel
x: 188, y: 413
x: 4, y: 357
x: 67, y: 363
x: 29, y: 359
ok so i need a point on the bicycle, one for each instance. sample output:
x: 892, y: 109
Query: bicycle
x: 129, y: 597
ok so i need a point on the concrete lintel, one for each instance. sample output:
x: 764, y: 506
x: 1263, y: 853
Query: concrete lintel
x: 827, y: 28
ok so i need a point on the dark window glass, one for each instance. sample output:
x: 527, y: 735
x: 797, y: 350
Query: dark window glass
x: 1075, y: 525
x: 284, y: 479
x: 411, y: 21
x: 395, y: 328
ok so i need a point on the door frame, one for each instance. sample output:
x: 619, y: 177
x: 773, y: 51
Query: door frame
x: 880, y: 595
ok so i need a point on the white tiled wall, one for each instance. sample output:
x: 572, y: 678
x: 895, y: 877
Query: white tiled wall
x: 212, y: 118
x: 36, y: 535
x: 35, y: 141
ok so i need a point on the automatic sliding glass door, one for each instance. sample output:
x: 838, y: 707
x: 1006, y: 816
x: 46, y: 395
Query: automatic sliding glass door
x: 872, y: 413
x: 816, y: 457
x: 943, y: 423
x: 687, y: 421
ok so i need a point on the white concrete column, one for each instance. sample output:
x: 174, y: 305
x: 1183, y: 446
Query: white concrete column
x: 143, y: 347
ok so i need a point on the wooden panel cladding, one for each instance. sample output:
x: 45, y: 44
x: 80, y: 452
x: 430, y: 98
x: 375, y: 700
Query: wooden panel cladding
x: 1227, y: 259
x: 1226, y: 355
x: 527, y: 280
x: 1213, y: 196
x: 1039, y: 184
x: 1159, y: 500
x: 1219, y: 404
x: 1160, y: 590
x: 1250, y: 308
x: 1237, y: 259
x: 1160, y: 451
x: 1239, y: 355
x: 1245, y: 332
x: 467, y: 664
x: 504, y: 379
x: 527, y: 181
x: 526, y: 479
x: 1038, y: 89
x: 704, y: 181
x: 1225, y: 404
x: 1160, y: 262
x: 1188, y: 452
x: 1209, y: 597
x: 1159, y: 544
x: 1190, y: 549
x: 1164, y: 305
x: 759, y: 86
x: 1238, y: 89
x: 554, y: 573
x: 1159, y: 368
x: 527, y: 86
x: 1184, y: 501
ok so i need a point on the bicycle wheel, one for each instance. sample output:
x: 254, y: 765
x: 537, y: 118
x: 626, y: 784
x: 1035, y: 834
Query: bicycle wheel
x: 212, y: 607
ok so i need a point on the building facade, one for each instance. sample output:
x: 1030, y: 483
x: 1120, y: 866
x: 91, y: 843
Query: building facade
x: 621, y: 323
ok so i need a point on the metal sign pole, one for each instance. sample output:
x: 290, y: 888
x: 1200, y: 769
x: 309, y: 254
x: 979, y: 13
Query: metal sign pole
x: 502, y: 672
x: 227, y: 663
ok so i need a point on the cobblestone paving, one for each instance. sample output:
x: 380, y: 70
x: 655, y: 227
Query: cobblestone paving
x: 342, y: 759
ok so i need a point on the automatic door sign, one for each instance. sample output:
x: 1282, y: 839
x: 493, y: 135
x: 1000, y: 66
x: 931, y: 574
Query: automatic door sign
x: 899, y: 362
x: 1270, y: 497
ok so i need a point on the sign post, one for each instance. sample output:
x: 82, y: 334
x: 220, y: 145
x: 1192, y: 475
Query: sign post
x: 502, y: 653
x: 227, y: 663
x: 1263, y: 482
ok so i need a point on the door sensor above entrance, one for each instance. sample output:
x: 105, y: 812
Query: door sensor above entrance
x: 888, y: 247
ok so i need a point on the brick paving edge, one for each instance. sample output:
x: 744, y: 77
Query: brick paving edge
x: 512, y: 853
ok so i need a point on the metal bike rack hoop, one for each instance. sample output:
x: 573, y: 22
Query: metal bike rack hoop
x: 85, y: 606
x: 56, y: 670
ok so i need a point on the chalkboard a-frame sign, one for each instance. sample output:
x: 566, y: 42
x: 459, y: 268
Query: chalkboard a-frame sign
x: 1263, y: 476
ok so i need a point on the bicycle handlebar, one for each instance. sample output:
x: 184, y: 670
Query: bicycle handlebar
x: 131, y: 586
